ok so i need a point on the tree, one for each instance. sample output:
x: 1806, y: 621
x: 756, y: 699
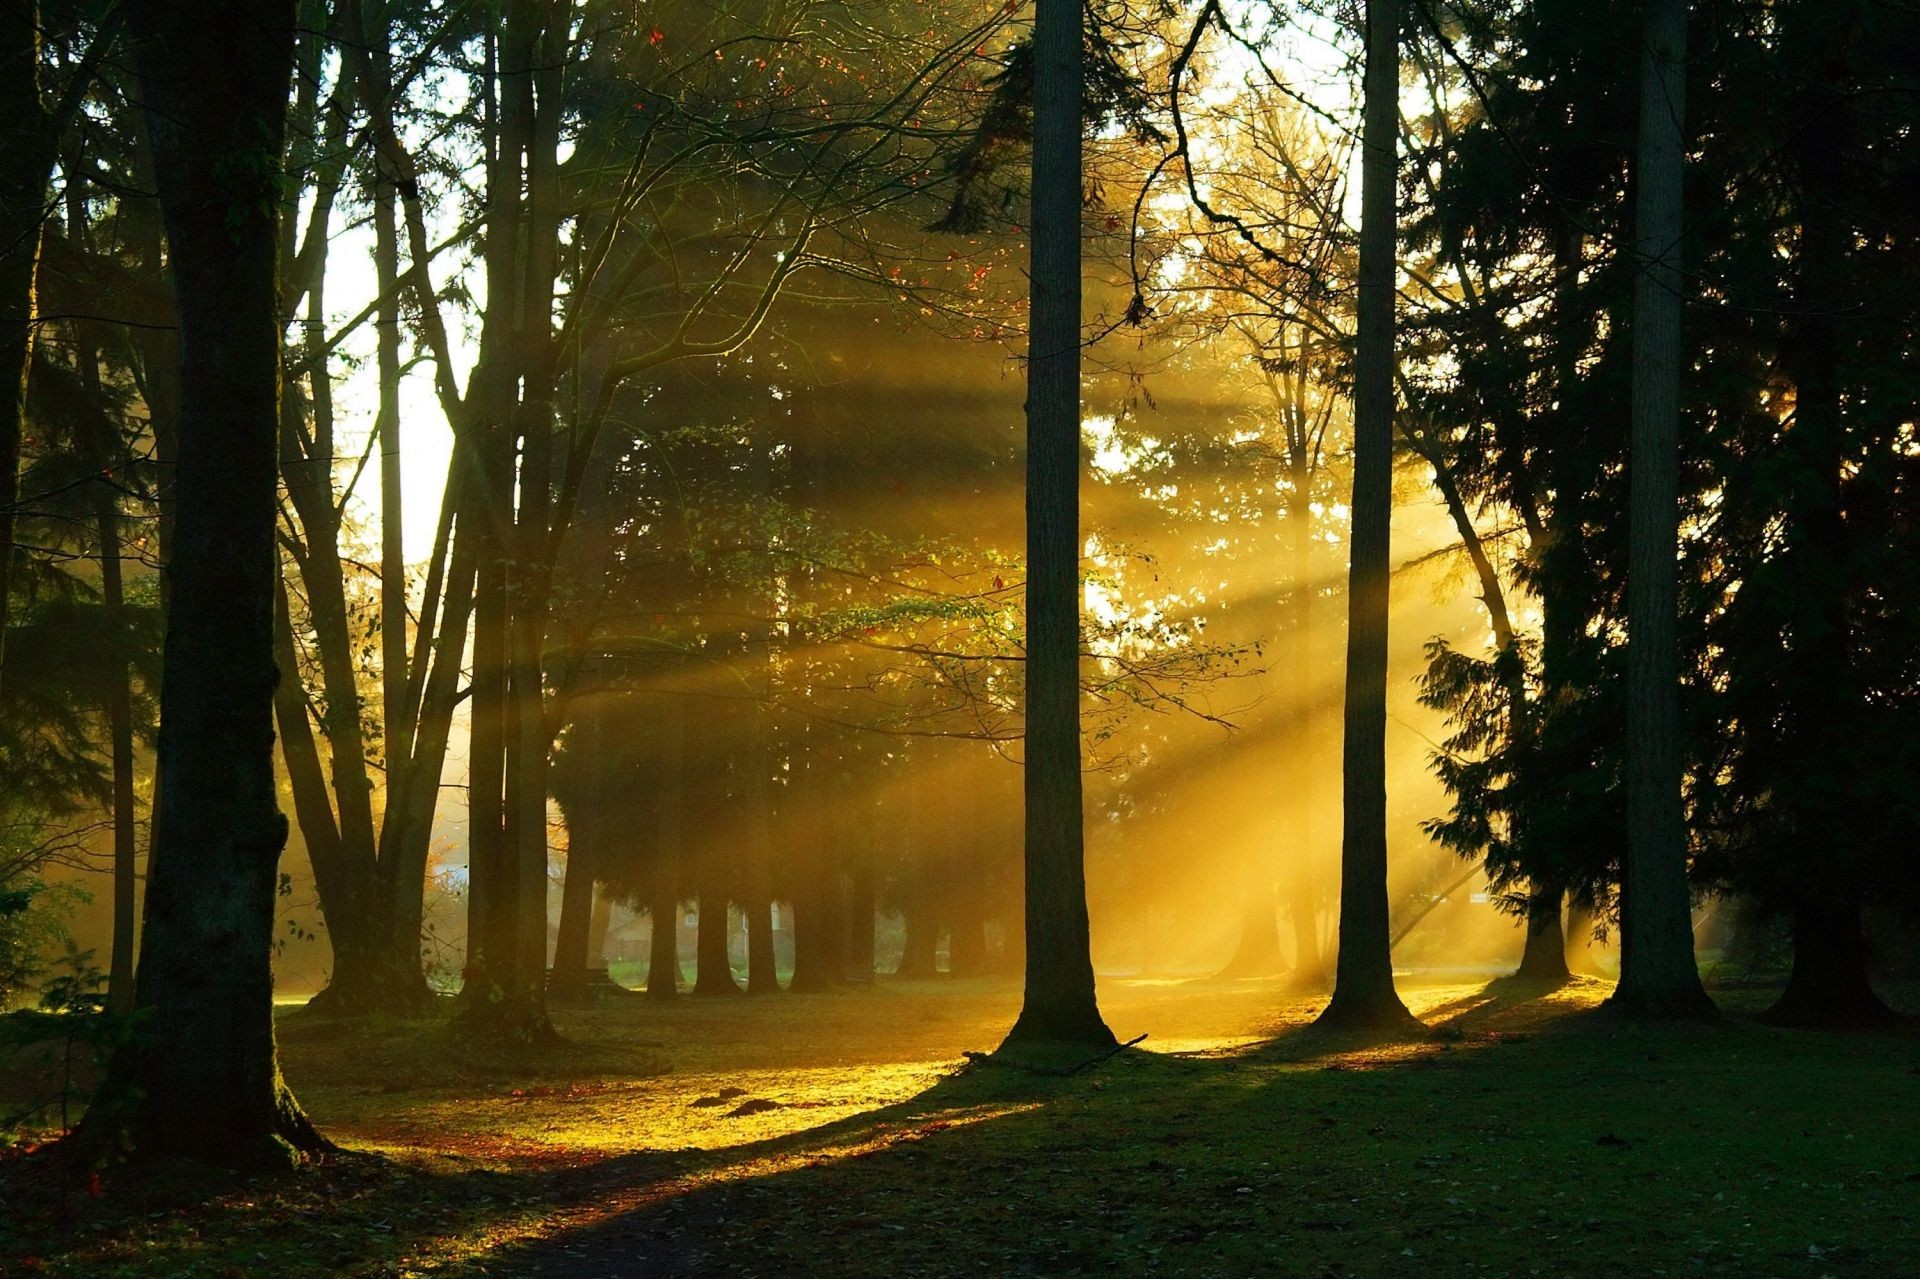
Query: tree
x: 203, y: 1080
x: 1658, y: 976
x: 1363, y: 993
x: 1059, y: 1003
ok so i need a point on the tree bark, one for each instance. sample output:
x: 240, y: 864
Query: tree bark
x: 1658, y: 976
x: 918, y: 957
x: 663, y: 952
x: 1363, y: 993
x: 568, y: 978
x: 120, y: 728
x: 816, y: 957
x: 1059, y: 1005
x: 202, y: 1081
x: 1544, y: 958
x: 27, y: 153
x: 860, y: 921
x: 1828, y: 988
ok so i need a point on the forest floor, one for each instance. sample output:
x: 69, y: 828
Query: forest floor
x: 844, y: 1134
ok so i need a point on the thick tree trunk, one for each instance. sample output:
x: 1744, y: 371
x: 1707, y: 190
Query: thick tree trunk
x: 1363, y: 993
x: 1544, y: 958
x: 1258, y: 952
x: 1829, y: 987
x: 816, y: 925
x: 597, y: 924
x: 572, y: 963
x: 1658, y: 976
x: 756, y: 914
x: 919, y: 955
x: 663, y: 951
x: 861, y: 908
x: 202, y: 1080
x: 713, y: 968
x: 1059, y: 1003
x: 966, y: 935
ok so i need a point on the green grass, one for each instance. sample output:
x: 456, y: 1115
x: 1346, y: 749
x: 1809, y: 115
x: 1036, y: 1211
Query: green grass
x: 1524, y: 1136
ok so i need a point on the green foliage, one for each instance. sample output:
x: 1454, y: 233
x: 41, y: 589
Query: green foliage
x: 64, y: 1042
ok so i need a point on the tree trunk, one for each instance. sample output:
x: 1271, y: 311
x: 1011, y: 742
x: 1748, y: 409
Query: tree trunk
x: 27, y: 153
x: 712, y: 967
x: 1658, y: 977
x: 816, y: 923
x: 120, y: 728
x: 571, y: 960
x: 860, y: 921
x: 763, y: 976
x: 1059, y: 1003
x: 1828, y: 988
x: 966, y: 934
x: 1579, y: 933
x: 1258, y: 952
x: 918, y: 957
x: 663, y: 951
x: 1309, y: 964
x: 1363, y: 993
x: 202, y: 1080
x: 1544, y: 958
x: 597, y: 924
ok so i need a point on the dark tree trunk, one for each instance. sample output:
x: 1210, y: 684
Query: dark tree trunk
x: 663, y: 964
x: 763, y: 976
x: 1829, y: 988
x: 571, y: 962
x: 663, y: 952
x: 1059, y: 1004
x: 1826, y: 705
x: 120, y: 727
x: 346, y: 904
x: 712, y: 968
x: 808, y: 938
x: 1658, y: 976
x: 918, y: 957
x: 202, y: 1080
x: 494, y: 1002
x: 861, y: 906
x: 966, y: 937
x: 597, y: 924
x: 1544, y: 958
x: 817, y: 921
x: 27, y: 151
x: 1363, y: 993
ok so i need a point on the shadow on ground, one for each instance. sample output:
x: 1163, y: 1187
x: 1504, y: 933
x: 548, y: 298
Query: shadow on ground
x: 838, y: 1135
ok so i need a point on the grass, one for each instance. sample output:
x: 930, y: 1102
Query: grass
x: 841, y: 1134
